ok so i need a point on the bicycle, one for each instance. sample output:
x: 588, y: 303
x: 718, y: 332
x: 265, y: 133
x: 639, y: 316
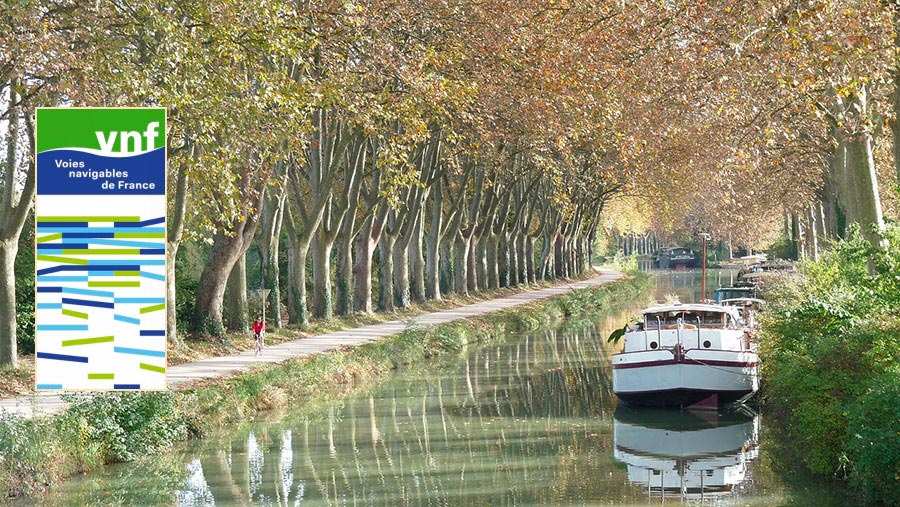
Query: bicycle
x: 258, y: 343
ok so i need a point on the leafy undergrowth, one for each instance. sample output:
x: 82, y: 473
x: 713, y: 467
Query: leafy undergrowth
x: 831, y: 366
x: 19, y: 380
x: 115, y: 427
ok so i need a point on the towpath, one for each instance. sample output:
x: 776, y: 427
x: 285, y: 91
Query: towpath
x: 182, y: 375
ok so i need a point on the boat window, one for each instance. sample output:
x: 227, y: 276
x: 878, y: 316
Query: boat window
x: 689, y: 318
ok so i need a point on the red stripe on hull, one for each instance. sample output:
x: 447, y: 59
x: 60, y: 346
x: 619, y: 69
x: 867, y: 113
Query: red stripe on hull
x: 686, y: 360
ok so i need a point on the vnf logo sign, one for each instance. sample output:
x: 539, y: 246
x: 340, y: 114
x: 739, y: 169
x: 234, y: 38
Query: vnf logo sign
x: 107, y: 141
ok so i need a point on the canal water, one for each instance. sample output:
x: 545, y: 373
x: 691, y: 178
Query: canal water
x: 531, y: 421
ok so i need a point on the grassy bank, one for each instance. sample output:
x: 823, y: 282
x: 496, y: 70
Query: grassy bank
x: 831, y: 367
x: 117, y: 427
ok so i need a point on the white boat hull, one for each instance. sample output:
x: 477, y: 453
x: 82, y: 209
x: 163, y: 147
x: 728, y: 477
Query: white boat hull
x: 664, y: 378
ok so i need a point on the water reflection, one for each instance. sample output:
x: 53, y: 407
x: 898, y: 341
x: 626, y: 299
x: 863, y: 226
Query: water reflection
x: 522, y: 423
x: 686, y: 283
x: 691, y: 455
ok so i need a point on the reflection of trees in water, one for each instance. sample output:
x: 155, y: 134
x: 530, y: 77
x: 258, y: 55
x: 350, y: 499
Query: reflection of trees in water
x: 528, y: 422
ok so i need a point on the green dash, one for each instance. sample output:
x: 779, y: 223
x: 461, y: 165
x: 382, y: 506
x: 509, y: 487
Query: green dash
x: 103, y: 251
x: 150, y: 367
x: 114, y: 284
x: 139, y: 235
x: 87, y: 341
x: 73, y: 313
x: 90, y: 218
x: 49, y: 237
x: 101, y: 376
x: 62, y: 260
x: 126, y: 273
x: 154, y: 308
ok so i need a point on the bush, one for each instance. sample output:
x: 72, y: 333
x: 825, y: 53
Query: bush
x: 186, y: 288
x: 873, y: 436
x: 24, y: 270
x: 124, y: 426
x: 830, y: 343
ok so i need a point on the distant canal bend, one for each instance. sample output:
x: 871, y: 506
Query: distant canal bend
x: 528, y: 422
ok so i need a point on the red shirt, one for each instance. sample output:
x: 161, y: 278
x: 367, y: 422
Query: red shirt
x: 258, y: 326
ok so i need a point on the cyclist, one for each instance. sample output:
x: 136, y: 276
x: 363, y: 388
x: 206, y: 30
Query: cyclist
x: 259, y: 330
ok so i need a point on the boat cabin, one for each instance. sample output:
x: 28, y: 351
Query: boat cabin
x: 689, y: 317
x: 701, y: 326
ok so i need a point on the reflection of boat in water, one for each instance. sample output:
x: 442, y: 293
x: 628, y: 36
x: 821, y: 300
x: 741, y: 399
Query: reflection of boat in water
x: 686, y: 454
x: 686, y: 354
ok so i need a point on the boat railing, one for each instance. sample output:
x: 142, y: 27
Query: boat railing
x: 658, y: 331
x: 698, y: 331
x: 680, y: 329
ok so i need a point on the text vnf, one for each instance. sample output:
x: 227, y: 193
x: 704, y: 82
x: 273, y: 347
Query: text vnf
x: 106, y: 142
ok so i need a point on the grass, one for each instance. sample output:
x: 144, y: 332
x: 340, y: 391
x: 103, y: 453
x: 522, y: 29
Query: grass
x: 115, y: 427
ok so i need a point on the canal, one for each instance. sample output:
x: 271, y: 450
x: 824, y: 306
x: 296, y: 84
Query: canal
x: 531, y: 421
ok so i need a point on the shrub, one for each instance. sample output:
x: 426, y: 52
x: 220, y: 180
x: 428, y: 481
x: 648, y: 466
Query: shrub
x: 124, y: 425
x: 873, y: 436
x: 24, y: 270
x: 830, y: 343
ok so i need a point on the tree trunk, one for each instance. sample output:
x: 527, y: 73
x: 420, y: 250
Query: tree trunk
x: 812, y: 234
x: 386, y: 272
x: 400, y: 256
x: 558, y: 257
x: 297, y: 311
x: 471, y: 273
x: 8, y: 344
x: 362, y: 268
x: 503, y: 259
x: 225, y: 251
x: 298, y: 248
x: 520, y: 258
x: 544, y: 271
x: 343, y: 276
x: 513, y: 265
x: 13, y: 213
x: 796, y: 242
x: 174, y: 235
x: 322, y: 304
x: 895, y: 94
x: 493, y: 276
x: 362, y: 274
x: 432, y: 263
x: 171, y: 294
x: 236, y: 298
x: 860, y: 167
x: 446, y: 265
x: 417, y: 261
x: 481, y: 261
x: 822, y: 233
x: 529, y: 260
x: 460, y: 264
